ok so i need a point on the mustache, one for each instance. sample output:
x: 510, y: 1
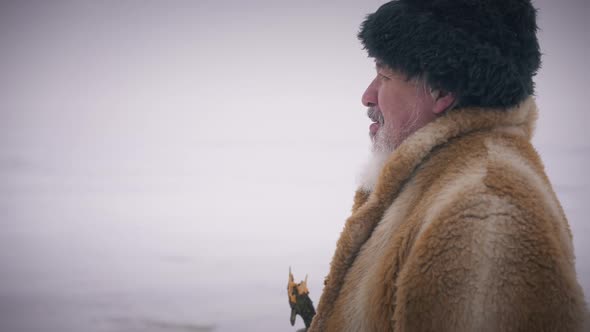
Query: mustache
x: 375, y: 115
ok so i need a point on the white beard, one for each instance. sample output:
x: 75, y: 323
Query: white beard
x: 380, y: 151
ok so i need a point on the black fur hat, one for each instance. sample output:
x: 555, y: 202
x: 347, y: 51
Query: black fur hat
x: 484, y: 51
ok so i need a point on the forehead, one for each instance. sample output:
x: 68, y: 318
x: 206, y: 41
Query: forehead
x: 381, y: 66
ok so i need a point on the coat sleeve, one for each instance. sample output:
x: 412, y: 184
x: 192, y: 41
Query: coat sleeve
x: 474, y: 270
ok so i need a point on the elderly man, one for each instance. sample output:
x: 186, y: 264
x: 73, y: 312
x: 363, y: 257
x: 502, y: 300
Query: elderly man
x: 455, y: 226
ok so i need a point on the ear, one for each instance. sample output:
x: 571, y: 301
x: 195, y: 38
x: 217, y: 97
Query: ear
x: 443, y: 100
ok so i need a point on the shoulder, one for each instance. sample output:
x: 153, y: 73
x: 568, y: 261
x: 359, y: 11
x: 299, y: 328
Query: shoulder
x: 498, y: 173
x: 495, y: 185
x: 493, y: 247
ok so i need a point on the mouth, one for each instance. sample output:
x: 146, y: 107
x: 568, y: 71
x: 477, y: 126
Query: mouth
x: 377, y: 117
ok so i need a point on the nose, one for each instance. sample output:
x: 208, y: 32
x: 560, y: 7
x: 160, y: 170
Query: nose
x: 369, y: 98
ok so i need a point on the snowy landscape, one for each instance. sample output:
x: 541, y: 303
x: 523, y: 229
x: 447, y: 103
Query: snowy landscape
x: 163, y: 164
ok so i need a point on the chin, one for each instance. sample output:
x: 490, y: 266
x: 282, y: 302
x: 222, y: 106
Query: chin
x: 383, y: 142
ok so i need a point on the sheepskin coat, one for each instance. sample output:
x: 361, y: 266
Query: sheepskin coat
x: 462, y: 232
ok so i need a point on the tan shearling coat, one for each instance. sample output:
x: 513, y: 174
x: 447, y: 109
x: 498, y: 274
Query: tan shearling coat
x: 462, y: 232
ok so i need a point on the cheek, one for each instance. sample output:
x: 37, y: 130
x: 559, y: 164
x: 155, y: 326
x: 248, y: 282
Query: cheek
x: 394, y: 110
x: 387, y: 103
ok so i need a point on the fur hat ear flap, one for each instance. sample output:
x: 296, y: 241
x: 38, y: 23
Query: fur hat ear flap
x: 485, y: 52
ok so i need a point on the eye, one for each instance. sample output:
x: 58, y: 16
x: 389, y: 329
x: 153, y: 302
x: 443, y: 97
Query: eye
x: 383, y: 77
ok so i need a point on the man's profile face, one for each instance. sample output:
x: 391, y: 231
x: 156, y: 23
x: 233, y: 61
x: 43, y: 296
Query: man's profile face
x: 397, y: 106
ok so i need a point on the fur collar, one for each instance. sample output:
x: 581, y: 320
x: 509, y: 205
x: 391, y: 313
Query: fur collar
x: 369, y: 207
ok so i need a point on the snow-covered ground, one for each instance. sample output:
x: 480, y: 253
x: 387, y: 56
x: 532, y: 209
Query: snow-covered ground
x: 162, y: 164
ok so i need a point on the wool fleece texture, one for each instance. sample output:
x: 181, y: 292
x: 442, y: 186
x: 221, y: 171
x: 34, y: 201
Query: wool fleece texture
x: 462, y: 232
